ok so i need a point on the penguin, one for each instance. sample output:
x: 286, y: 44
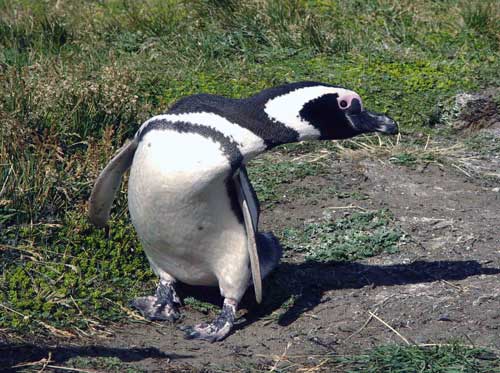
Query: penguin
x: 189, y: 196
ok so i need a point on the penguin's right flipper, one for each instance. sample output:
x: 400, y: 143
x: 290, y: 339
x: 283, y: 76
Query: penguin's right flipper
x: 249, y: 208
x: 250, y: 196
x: 108, y: 182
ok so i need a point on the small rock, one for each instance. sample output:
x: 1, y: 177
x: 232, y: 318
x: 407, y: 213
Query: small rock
x: 421, y: 339
x: 442, y: 224
x: 444, y: 317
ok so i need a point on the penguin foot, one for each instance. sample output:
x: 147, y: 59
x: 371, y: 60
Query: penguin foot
x: 161, y: 306
x: 218, y: 329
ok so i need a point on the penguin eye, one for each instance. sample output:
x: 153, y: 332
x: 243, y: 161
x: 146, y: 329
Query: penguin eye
x: 343, y: 104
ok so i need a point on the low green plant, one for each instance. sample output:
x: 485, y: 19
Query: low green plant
x: 269, y: 175
x: 107, y: 364
x: 285, y: 306
x: 431, y: 359
x: 405, y: 159
x: 203, y: 307
x: 416, y: 158
x: 447, y: 358
x: 357, y: 236
x: 70, y: 275
x: 483, y: 143
x: 483, y: 17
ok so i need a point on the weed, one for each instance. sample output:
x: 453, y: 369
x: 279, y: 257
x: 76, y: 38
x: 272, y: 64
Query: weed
x: 448, y: 358
x: 360, y: 235
x: 108, y: 364
x: 411, y: 159
x: 404, y: 159
x: 269, y: 176
x: 484, y: 19
x: 203, y: 307
x: 452, y: 358
x: 355, y: 195
x: 69, y: 275
x: 483, y: 143
x: 282, y: 310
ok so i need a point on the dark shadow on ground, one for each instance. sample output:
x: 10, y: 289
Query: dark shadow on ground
x: 16, y: 354
x: 307, y: 282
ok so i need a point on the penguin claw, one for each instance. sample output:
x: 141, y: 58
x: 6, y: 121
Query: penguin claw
x: 161, y: 306
x: 153, y: 310
x: 190, y: 333
x: 216, y: 330
x: 206, y: 332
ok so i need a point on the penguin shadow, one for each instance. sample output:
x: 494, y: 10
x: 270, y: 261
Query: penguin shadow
x: 13, y: 357
x: 296, y: 288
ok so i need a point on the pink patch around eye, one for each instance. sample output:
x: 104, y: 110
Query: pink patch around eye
x: 346, y: 100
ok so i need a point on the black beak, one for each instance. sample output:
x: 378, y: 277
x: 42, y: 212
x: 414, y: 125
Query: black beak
x: 367, y: 121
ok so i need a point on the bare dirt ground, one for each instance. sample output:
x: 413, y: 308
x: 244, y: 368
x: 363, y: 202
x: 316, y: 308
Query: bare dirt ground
x: 443, y: 285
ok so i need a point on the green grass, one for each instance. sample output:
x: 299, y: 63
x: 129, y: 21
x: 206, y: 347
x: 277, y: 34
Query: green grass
x: 412, y: 159
x: 78, y: 78
x: 203, y: 307
x: 106, y: 364
x: 434, y: 359
x: 84, y: 364
x: 448, y: 358
x: 272, y: 174
x: 484, y: 144
x: 357, y: 236
x: 69, y: 276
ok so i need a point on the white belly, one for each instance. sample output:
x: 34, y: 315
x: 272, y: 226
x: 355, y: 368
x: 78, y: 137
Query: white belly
x: 180, y: 208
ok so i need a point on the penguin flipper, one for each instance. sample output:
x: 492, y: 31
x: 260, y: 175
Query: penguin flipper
x: 249, y: 209
x: 250, y: 196
x: 108, y: 182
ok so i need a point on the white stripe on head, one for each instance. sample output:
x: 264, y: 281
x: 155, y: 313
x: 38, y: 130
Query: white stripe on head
x: 248, y: 143
x: 286, y: 108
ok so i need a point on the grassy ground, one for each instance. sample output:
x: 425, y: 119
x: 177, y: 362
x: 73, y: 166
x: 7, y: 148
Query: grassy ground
x: 77, y: 79
x: 391, y: 358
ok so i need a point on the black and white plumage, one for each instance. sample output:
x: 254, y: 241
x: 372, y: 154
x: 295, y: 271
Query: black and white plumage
x: 190, y: 199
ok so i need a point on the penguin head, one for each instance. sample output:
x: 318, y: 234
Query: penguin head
x: 339, y: 114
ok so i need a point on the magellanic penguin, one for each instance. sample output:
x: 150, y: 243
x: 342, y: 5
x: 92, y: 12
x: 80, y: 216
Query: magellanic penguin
x: 190, y: 199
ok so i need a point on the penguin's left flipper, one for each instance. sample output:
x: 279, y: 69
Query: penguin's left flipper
x: 250, y: 210
x: 108, y: 182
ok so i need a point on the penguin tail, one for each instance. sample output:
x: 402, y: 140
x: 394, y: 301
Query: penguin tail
x: 108, y: 183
